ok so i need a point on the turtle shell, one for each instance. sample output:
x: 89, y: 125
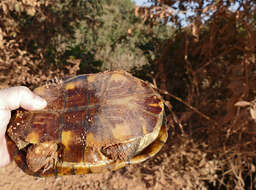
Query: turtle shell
x: 92, y: 123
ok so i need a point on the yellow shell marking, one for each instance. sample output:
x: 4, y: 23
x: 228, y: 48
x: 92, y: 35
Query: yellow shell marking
x: 154, y: 105
x: 118, y: 77
x: 90, y: 139
x: 120, y: 131
x: 144, y: 129
x: 91, y: 78
x: 33, y: 137
x: 70, y: 86
x: 66, y: 138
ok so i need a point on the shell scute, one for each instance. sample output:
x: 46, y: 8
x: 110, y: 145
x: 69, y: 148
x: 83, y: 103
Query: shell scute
x: 87, y: 113
x: 41, y: 126
x: 53, y: 95
x: 73, y: 144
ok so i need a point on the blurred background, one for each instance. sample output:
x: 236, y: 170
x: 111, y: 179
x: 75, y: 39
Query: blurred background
x: 199, y: 54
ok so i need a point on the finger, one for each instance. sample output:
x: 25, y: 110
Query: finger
x: 21, y: 96
x: 5, y: 116
x: 4, y: 153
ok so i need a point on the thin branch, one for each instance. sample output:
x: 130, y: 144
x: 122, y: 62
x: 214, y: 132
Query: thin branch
x: 188, y: 105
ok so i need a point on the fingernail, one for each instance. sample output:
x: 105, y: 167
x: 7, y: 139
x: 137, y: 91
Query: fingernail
x: 40, y: 102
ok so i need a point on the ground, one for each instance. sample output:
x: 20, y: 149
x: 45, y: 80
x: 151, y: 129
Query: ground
x: 132, y: 177
x: 179, y: 165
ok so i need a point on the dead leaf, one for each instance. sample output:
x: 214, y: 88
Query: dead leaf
x: 242, y: 104
x: 253, y: 112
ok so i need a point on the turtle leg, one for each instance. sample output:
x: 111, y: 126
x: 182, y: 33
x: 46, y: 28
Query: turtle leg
x: 121, y: 151
x: 43, y: 155
x: 51, y: 161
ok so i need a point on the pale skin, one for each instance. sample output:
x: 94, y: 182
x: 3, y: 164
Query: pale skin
x: 11, y: 99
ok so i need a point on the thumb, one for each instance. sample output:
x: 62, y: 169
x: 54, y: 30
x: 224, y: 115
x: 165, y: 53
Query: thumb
x: 4, y: 153
x: 20, y: 96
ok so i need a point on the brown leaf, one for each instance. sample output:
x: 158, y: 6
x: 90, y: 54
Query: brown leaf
x: 253, y: 111
x: 242, y: 104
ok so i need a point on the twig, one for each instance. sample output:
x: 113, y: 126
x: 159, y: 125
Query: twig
x: 188, y: 105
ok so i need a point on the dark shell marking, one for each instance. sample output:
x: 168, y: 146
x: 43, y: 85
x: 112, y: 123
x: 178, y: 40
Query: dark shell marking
x: 87, y: 113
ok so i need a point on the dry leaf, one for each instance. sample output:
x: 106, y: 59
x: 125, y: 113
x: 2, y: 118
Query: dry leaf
x: 242, y: 104
x: 253, y: 111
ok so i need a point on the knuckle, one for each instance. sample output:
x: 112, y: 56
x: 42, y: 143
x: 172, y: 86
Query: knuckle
x: 23, y: 91
x: 23, y: 88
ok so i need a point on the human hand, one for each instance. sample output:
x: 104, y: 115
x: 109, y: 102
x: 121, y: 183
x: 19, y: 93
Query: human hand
x: 11, y: 99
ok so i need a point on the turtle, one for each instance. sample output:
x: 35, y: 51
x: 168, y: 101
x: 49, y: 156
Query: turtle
x: 92, y: 123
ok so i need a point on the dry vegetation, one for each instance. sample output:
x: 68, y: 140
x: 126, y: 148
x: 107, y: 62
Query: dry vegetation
x: 206, y: 73
x: 217, y: 60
